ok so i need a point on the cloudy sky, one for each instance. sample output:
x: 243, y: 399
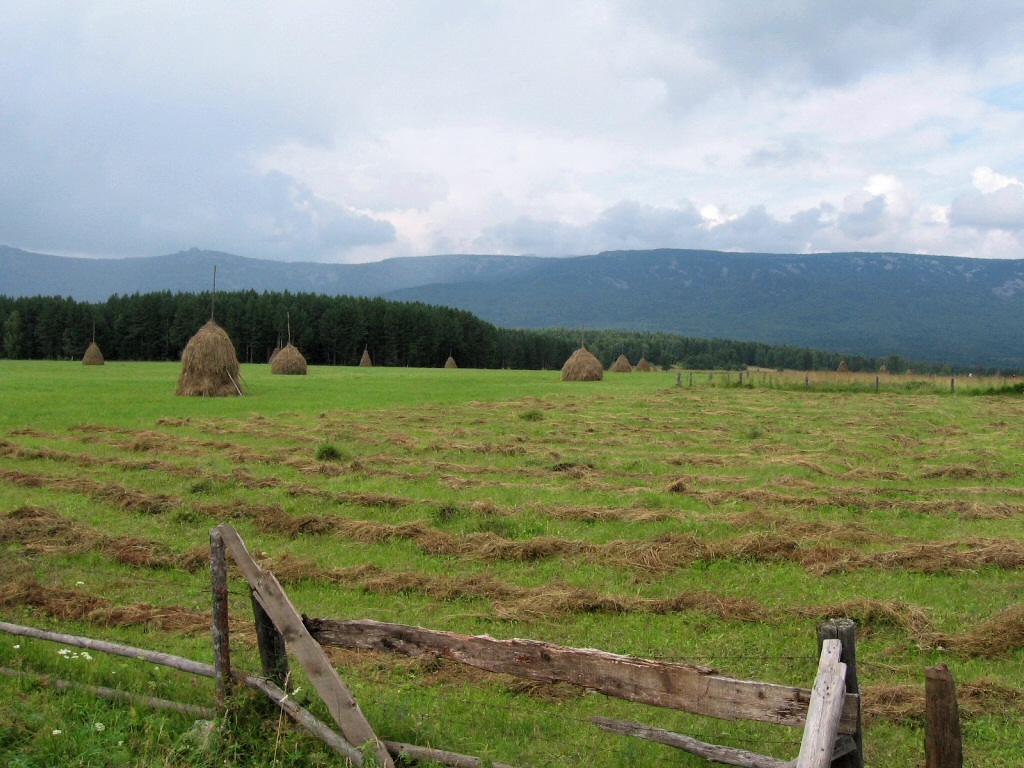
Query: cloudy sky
x: 350, y: 131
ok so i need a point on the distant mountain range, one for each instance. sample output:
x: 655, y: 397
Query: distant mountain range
x: 937, y: 308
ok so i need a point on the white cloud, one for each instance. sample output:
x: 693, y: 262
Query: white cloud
x: 358, y: 130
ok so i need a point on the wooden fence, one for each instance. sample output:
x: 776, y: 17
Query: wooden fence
x: 829, y: 713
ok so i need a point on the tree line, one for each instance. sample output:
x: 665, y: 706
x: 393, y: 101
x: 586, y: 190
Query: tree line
x: 334, y: 330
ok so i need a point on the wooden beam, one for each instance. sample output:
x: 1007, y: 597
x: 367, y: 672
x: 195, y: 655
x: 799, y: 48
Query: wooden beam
x: 324, y: 678
x: 685, y: 687
x: 711, y: 752
x: 825, y: 710
x: 845, y: 630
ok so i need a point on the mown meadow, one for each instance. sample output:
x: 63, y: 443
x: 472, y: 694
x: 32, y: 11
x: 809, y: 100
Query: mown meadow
x: 713, y: 523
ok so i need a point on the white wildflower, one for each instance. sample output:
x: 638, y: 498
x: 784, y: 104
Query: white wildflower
x: 16, y: 646
x: 57, y: 731
x: 79, y: 583
x: 100, y: 727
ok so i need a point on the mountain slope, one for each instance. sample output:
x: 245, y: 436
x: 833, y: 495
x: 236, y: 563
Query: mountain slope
x: 937, y: 308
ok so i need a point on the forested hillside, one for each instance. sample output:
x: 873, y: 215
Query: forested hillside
x: 334, y: 330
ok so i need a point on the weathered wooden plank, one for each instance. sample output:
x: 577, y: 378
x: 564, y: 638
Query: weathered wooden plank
x: 845, y: 630
x: 943, y: 745
x: 322, y: 675
x: 825, y: 709
x: 712, y: 752
x: 684, y: 687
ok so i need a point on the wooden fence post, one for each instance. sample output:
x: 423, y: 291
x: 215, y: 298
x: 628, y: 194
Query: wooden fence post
x: 845, y: 630
x: 273, y: 653
x: 221, y: 643
x: 943, y: 747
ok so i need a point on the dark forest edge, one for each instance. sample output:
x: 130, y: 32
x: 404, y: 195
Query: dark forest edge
x: 334, y: 330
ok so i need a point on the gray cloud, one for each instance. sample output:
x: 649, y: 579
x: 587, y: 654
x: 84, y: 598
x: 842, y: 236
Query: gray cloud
x: 1002, y: 209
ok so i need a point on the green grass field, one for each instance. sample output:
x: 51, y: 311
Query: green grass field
x: 714, y: 524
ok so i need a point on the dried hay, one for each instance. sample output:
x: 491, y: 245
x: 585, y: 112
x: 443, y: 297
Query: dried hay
x: 871, y: 613
x: 288, y: 362
x: 843, y: 367
x: 582, y: 366
x: 209, y: 365
x: 897, y: 703
x: 644, y: 366
x: 450, y: 362
x: 999, y: 636
x: 365, y: 361
x: 93, y: 356
x: 621, y: 365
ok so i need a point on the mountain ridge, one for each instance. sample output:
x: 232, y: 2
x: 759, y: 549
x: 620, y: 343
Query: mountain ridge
x: 938, y: 308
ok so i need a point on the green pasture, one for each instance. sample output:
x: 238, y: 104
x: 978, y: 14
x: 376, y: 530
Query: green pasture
x: 520, y: 506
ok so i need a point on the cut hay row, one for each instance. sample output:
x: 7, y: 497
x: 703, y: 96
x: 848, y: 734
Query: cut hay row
x: 906, y: 702
x: 78, y: 605
x: 42, y: 531
x: 661, y: 555
x: 856, y: 497
x: 507, y: 601
x: 881, y: 702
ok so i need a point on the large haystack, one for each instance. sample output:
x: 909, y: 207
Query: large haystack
x: 621, y: 365
x: 643, y: 365
x: 582, y: 366
x: 288, y: 361
x: 450, y: 362
x: 843, y: 367
x: 209, y: 366
x: 365, y: 361
x: 273, y: 354
x: 93, y: 356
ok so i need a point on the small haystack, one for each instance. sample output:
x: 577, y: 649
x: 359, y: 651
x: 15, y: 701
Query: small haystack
x: 365, y: 361
x: 209, y: 366
x: 621, y: 365
x: 643, y: 365
x: 288, y: 361
x: 582, y: 366
x: 450, y: 362
x: 883, y: 369
x: 93, y: 356
x: 843, y: 367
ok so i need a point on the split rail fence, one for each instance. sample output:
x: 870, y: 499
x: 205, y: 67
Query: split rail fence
x: 829, y: 713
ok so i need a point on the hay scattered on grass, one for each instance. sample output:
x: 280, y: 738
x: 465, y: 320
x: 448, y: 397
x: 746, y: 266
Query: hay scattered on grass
x: 906, y: 703
x: 998, y: 636
x: 209, y: 365
x: 78, y: 605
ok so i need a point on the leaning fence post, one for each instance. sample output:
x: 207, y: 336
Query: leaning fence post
x: 943, y: 747
x: 221, y: 644
x: 845, y: 630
